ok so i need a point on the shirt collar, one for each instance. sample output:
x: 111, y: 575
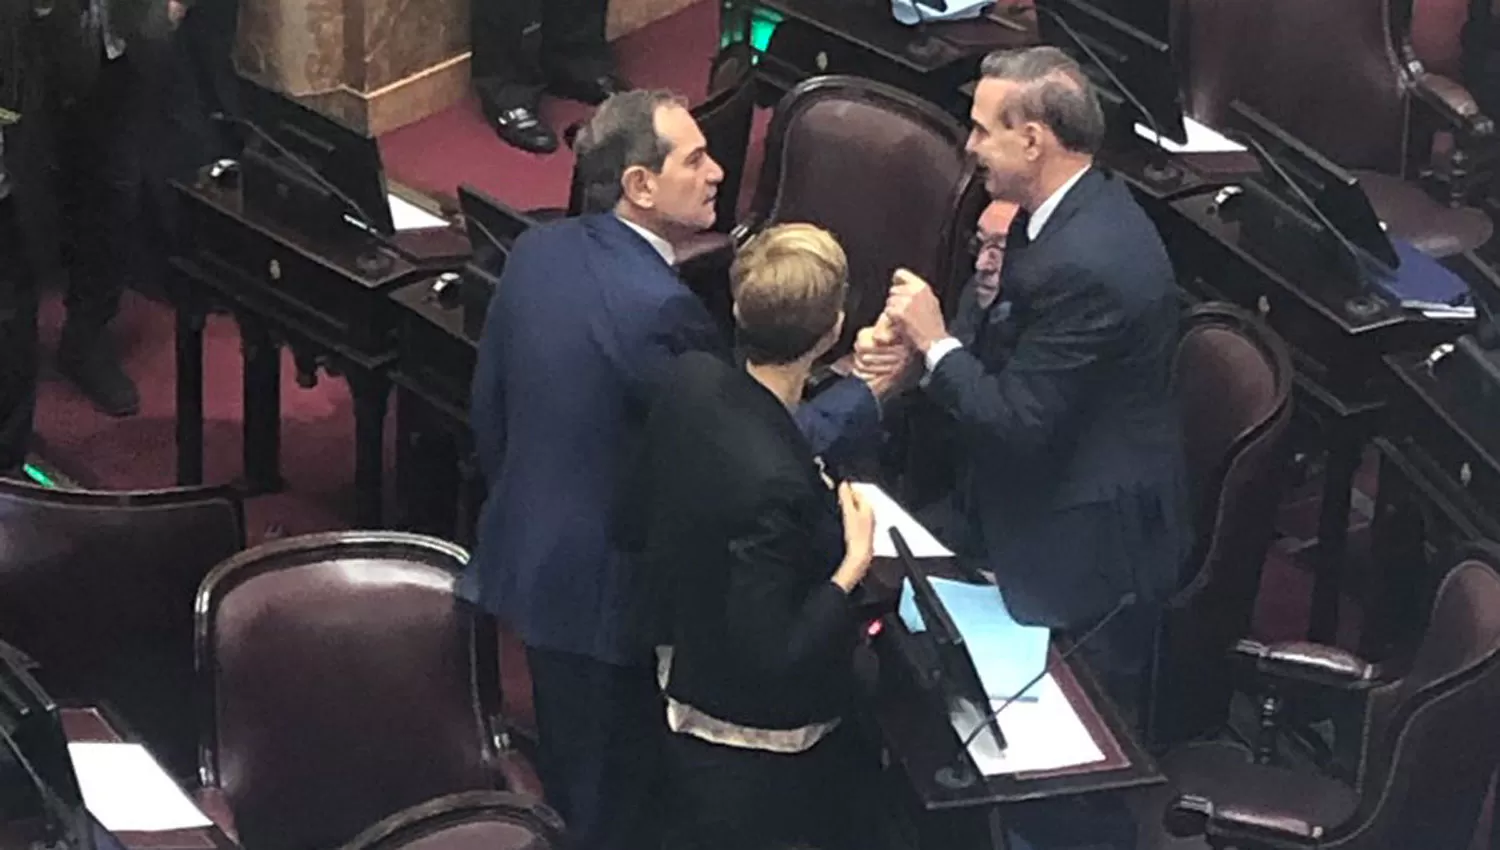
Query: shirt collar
x: 1049, y: 206
x: 661, y: 246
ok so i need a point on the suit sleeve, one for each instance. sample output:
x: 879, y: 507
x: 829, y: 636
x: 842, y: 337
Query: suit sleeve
x: 682, y: 324
x: 842, y: 422
x: 1053, y: 371
x: 775, y: 626
x: 968, y: 315
x: 487, y: 401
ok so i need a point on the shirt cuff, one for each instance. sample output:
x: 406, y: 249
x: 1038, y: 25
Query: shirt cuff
x: 938, y: 350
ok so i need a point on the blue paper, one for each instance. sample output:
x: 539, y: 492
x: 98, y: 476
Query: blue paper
x: 907, y: 12
x: 1006, y: 654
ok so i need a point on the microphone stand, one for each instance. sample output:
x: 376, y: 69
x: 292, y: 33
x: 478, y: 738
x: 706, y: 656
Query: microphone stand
x: 1159, y: 168
x: 960, y: 772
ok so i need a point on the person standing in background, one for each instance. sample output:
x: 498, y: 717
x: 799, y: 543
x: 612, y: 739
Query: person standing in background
x: 524, y: 47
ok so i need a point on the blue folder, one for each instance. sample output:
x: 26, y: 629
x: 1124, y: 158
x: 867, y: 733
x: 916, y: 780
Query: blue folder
x: 1006, y: 654
x: 1422, y: 283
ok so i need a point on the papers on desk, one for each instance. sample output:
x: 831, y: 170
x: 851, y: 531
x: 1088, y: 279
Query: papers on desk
x: 127, y: 791
x: 1043, y: 734
x: 406, y: 215
x: 906, y: 12
x: 1200, y: 139
x: 1006, y: 654
x: 890, y: 515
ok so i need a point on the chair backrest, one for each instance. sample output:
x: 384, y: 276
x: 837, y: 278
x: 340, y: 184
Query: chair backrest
x: 476, y: 820
x: 725, y: 119
x: 343, y: 682
x: 98, y: 588
x: 1327, y: 71
x: 1437, y: 35
x: 882, y: 169
x: 1430, y: 746
x: 1233, y: 378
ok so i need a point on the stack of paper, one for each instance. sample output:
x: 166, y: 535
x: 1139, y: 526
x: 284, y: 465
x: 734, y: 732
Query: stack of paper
x: 890, y: 515
x: 406, y: 215
x: 1043, y: 734
x: 127, y: 791
x: 1200, y: 139
x: 1006, y: 654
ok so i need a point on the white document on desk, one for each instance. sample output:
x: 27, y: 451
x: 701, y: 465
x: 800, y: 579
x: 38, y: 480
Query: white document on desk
x: 890, y: 515
x: 1045, y: 734
x: 406, y: 215
x: 127, y: 791
x: 1200, y: 139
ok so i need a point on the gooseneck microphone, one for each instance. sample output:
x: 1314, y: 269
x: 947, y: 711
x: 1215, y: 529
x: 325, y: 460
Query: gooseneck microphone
x: 960, y: 772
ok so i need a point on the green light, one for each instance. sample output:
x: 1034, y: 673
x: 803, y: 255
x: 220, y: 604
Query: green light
x: 762, y: 25
x: 40, y: 477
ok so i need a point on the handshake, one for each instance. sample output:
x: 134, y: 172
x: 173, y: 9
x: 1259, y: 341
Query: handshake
x: 885, y: 353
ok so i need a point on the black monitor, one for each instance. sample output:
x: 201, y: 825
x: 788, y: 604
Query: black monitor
x: 493, y: 226
x: 346, y: 158
x: 1334, y: 192
x: 37, y: 781
x: 963, y: 690
x: 1140, y: 60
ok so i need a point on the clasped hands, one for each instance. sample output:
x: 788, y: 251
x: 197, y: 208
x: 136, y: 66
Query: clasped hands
x: 885, y: 352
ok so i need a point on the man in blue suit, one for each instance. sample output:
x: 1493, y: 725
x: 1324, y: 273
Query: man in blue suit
x: 587, y: 316
x: 1073, y: 479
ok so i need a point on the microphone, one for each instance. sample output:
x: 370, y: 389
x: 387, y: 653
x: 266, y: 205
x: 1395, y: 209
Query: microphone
x: 960, y: 773
x: 1159, y: 169
x: 360, y: 217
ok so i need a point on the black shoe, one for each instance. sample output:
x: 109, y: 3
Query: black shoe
x: 93, y: 366
x: 590, y: 90
x: 522, y: 127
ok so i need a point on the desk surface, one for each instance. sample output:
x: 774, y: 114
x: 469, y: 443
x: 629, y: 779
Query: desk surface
x: 93, y: 724
x: 920, y: 738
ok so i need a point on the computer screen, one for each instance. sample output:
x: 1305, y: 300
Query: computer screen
x: 33, y: 742
x: 1140, y: 58
x: 1335, y: 192
x: 343, y: 156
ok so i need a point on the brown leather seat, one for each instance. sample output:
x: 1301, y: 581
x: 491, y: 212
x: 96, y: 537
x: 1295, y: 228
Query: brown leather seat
x: 477, y: 820
x: 884, y: 171
x: 345, y: 682
x: 1338, y: 75
x: 1234, y: 378
x: 98, y: 588
x: 1426, y: 743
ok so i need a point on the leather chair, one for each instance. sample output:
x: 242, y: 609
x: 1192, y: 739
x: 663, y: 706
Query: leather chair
x: 884, y: 171
x: 476, y: 820
x: 344, y: 681
x: 98, y: 588
x: 1339, y: 75
x: 1234, y: 378
x: 1427, y: 748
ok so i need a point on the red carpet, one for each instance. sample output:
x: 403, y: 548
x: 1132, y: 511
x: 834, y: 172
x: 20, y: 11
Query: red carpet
x: 436, y: 155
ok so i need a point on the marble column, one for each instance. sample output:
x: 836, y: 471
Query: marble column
x: 380, y: 64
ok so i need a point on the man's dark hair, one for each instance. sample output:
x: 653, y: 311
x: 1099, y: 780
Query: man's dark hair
x: 622, y: 134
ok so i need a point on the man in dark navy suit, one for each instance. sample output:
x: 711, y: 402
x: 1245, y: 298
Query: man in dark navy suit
x: 587, y: 317
x: 1072, y: 478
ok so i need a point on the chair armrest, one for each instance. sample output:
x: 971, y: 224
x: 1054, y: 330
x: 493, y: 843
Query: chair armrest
x: 1308, y: 662
x: 515, y: 759
x: 1453, y: 104
x: 1244, y: 828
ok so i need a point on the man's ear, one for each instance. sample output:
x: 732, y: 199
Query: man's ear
x: 638, y: 186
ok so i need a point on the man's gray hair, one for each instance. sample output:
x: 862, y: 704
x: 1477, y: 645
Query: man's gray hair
x: 622, y: 134
x: 1053, y: 90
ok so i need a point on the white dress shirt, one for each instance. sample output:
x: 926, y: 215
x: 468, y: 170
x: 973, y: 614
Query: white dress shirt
x: 939, y: 349
x: 662, y: 246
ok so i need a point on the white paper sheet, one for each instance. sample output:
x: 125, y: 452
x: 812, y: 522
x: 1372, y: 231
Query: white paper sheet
x: 1045, y: 734
x: 888, y: 514
x: 127, y: 791
x: 1200, y: 139
x: 406, y: 215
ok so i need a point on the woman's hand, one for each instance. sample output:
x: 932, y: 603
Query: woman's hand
x: 859, y: 538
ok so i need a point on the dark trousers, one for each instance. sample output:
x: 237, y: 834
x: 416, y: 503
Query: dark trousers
x: 728, y: 798
x: 512, y: 60
x: 600, y: 727
x: 99, y: 141
x: 18, y: 343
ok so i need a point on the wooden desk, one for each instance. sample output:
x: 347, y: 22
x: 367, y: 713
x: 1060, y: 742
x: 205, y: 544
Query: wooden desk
x: 919, y: 740
x: 860, y: 38
x: 323, y: 296
x: 93, y: 724
x: 1337, y: 338
x: 1439, y: 488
